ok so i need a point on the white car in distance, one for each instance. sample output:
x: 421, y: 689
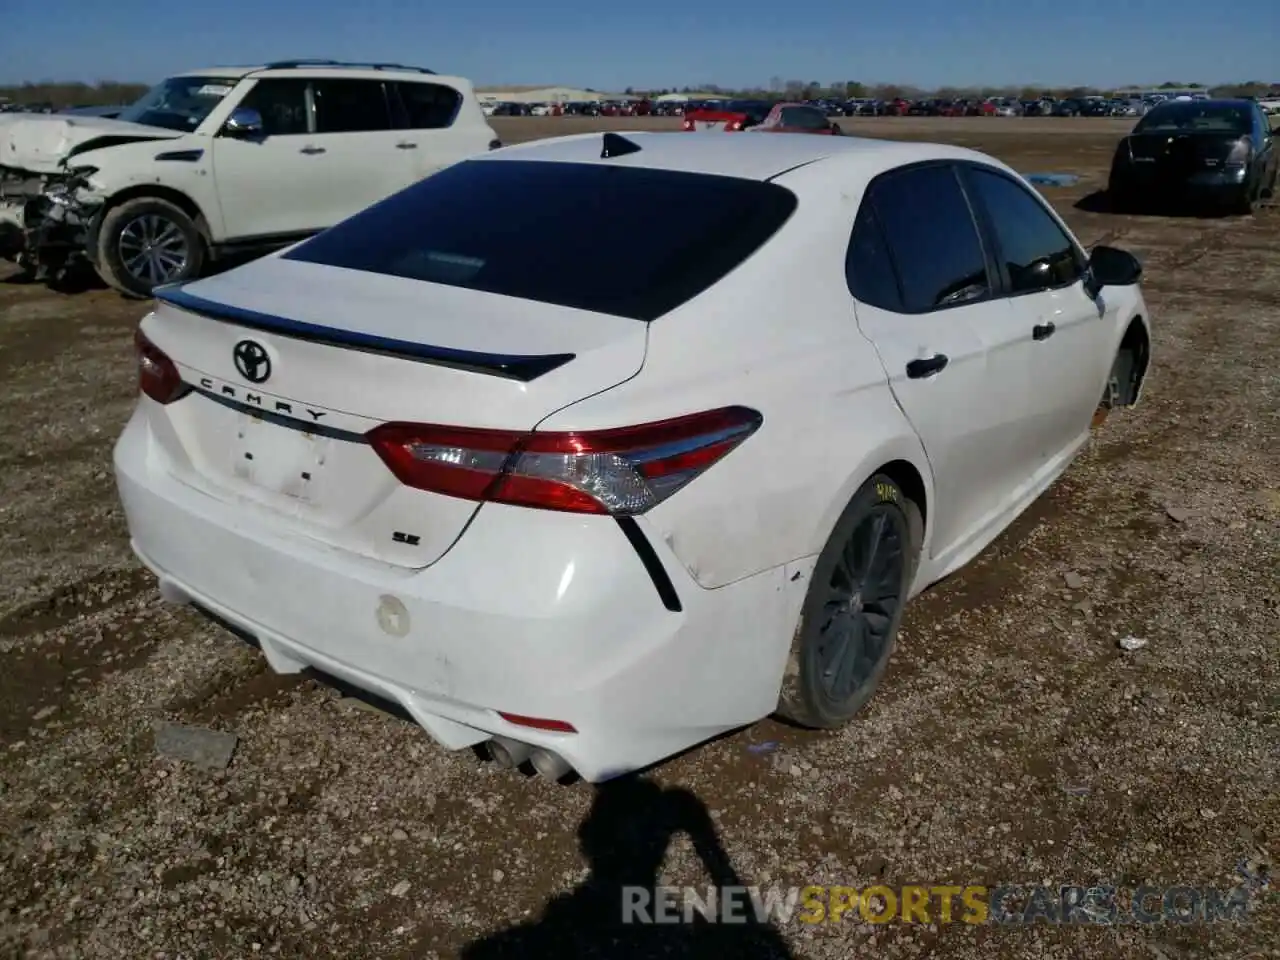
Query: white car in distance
x: 593, y: 517
x: 224, y: 161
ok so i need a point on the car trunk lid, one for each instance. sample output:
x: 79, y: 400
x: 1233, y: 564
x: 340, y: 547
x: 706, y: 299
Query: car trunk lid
x: 707, y: 121
x: 292, y: 363
x: 1181, y: 154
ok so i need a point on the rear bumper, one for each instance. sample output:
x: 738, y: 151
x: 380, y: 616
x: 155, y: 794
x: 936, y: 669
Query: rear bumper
x: 531, y: 613
x: 1207, y: 186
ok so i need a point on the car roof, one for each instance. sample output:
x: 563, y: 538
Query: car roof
x: 334, y: 69
x: 738, y: 154
x: 1210, y: 102
x: 229, y: 72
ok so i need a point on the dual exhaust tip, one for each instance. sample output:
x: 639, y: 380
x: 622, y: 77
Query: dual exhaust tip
x: 510, y: 754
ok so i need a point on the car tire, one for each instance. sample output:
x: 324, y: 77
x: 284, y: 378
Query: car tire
x: 842, y: 645
x: 123, y: 237
x: 1245, y: 204
x: 1121, y: 374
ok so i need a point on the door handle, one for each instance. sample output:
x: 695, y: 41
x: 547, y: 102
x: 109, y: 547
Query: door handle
x: 926, y: 366
x: 310, y: 150
x: 406, y: 146
x: 1042, y: 331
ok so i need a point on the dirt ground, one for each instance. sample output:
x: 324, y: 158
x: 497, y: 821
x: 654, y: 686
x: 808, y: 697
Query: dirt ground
x: 1012, y: 741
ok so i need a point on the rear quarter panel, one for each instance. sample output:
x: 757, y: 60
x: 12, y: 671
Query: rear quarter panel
x: 778, y: 335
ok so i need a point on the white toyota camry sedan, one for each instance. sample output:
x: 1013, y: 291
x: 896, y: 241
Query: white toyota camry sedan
x: 597, y: 447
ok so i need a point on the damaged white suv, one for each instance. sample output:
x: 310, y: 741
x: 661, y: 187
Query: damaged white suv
x: 223, y: 161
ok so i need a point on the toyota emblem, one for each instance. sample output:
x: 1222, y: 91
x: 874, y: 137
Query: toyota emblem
x: 252, y: 361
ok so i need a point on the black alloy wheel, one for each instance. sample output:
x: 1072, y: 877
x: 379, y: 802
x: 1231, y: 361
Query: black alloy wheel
x: 853, y: 608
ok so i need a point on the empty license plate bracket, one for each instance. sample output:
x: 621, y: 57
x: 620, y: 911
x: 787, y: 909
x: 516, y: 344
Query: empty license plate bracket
x: 278, y: 458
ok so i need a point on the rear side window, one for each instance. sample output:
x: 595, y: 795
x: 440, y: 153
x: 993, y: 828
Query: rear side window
x: 428, y: 106
x: 932, y: 238
x: 350, y: 106
x: 868, y: 267
x: 804, y: 118
x: 1037, y: 254
x: 626, y: 241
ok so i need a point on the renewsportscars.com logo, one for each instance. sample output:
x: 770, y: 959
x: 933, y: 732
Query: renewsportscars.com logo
x: 942, y: 904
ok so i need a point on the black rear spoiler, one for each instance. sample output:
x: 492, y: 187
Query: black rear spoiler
x: 512, y: 366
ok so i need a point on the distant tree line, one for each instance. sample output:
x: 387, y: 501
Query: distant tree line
x: 103, y: 93
x: 112, y: 93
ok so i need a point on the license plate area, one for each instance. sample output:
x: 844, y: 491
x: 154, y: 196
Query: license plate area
x: 277, y: 458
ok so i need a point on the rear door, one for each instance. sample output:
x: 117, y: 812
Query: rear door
x: 1043, y: 272
x: 428, y: 135
x: 927, y: 297
x: 353, y: 127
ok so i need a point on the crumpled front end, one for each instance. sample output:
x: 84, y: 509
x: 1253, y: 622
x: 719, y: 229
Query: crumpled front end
x: 46, y: 221
x: 48, y: 207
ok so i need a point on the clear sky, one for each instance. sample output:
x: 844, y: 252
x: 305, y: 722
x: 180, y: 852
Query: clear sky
x: 610, y: 45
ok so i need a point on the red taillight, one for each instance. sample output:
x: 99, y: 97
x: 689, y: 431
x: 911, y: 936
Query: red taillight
x: 158, y: 378
x: 538, y: 723
x: 621, y: 471
x: 687, y: 125
x: 733, y: 125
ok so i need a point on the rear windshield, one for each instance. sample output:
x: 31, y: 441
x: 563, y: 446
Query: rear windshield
x: 1192, y: 117
x: 625, y: 241
x: 756, y: 108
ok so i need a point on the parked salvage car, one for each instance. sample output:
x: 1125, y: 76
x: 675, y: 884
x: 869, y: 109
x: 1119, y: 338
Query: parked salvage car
x: 1096, y: 107
x: 103, y: 110
x: 415, y: 453
x: 797, y: 118
x: 1204, y: 152
x: 925, y: 108
x: 732, y: 116
x: 224, y: 160
x: 778, y: 118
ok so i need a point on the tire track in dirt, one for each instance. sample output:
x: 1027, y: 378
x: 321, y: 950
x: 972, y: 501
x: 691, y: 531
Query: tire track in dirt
x: 67, y: 641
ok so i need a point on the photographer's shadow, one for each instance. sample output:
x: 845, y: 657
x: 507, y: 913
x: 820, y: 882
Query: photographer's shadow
x: 624, y: 839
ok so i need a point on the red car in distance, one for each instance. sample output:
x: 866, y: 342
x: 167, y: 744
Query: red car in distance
x: 759, y: 116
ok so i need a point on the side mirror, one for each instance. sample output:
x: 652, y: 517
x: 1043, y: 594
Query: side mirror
x: 1112, y: 267
x: 243, y: 123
